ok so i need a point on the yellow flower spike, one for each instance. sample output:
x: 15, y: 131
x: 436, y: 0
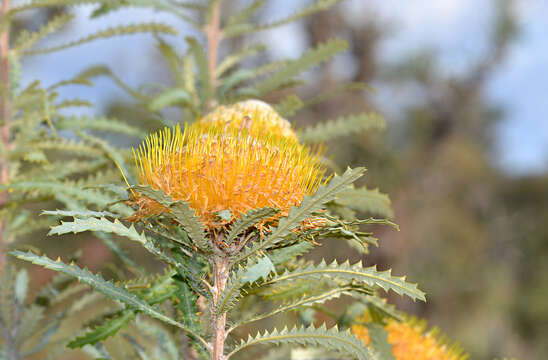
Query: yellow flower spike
x: 254, y: 116
x: 215, y: 168
x: 411, y: 341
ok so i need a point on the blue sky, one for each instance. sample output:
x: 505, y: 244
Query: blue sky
x: 456, y: 29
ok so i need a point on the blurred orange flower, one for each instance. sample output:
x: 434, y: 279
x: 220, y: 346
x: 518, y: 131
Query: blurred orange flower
x: 411, y: 341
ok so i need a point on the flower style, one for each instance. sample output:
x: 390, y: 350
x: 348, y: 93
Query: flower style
x: 216, y: 168
x: 254, y: 116
x: 411, y: 341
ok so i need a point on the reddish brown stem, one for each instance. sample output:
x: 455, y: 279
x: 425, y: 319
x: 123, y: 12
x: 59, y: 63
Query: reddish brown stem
x: 5, y: 111
x: 221, y: 272
x: 213, y: 35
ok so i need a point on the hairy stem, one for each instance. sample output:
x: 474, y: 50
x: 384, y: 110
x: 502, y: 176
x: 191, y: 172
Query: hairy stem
x: 5, y: 111
x: 221, y: 272
x: 213, y: 35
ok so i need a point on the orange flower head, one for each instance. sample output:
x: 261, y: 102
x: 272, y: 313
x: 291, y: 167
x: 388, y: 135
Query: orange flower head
x: 411, y: 341
x: 256, y: 117
x: 215, y: 168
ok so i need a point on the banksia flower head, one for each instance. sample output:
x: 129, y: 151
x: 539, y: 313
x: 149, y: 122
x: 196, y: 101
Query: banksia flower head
x: 411, y: 341
x: 215, y: 168
x: 254, y: 116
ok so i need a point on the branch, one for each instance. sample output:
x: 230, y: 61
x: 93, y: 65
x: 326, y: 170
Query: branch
x: 213, y: 36
x: 5, y: 111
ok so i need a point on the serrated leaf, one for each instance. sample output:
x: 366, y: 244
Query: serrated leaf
x: 289, y: 105
x: 78, y: 213
x: 113, y: 227
x: 301, y: 302
x: 244, y: 14
x: 27, y: 39
x: 65, y: 192
x: 342, y: 126
x: 102, y: 70
x: 310, y: 58
x: 254, y: 271
x: 251, y: 218
x: 102, y: 124
x: 308, y: 206
x: 366, y: 200
x: 356, y: 272
x: 108, y: 33
x: 171, y: 97
x: 236, y: 57
x: 106, y: 287
x: 332, y: 338
x: 173, y: 60
x: 203, y: 70
x: 122, y: 255
x: 110, y: 152
x: 236, y: 28
x: 182, y: 213
x: 261, y: 269
x: 283, y: 255
x: 109, y: 328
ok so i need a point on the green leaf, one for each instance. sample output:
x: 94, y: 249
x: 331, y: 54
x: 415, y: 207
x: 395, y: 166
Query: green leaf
x: 186, y: 303
x: 65, y: 192
x: 98, y: 351
x: 260, y: 270
x: 294, y: 305
x: 21, y: 285
x: 110, y: 152
x: 289, y: 105
x: 104, y: 331
x: 203, y: 70
x: 78, y: 213
x: 107, y: 226
x: 244, y: 14
x: 251, y: 218
x: 370, y: 201
x: 27, y: 39
x: 169, y: 98
x: 356, y: 272
x: 332, y: 339
x: 173, y: 61
x: 285, y: 254
x: 309, y: 205
x: 102, y: 286
x: 73, y: 103
x: 122, y: 255
x: 379, y: 341
x: 139, y: 349
x: 103, y: 124
x: 188, y: 76
x: 102, y: 70
x: 342, y: 126
x: 48, y: 3
x: 69, y: 146
x: 182, y: 213
x: 237, y: 57
x: 245, y: 275
x: 108, y: 33
x: 312, y: 57
x: 239, y: 29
